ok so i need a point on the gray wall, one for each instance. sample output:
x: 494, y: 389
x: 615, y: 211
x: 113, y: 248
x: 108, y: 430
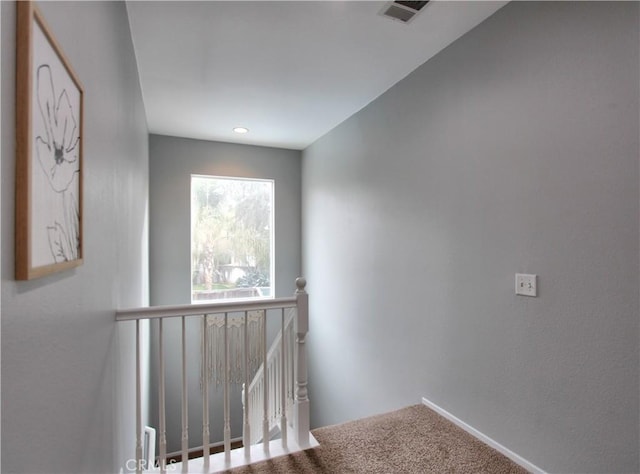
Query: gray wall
x: 172, y: 161
x: 514, y: 150
x: 63, y: 403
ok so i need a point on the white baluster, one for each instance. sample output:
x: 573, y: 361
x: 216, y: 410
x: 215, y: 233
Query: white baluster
x: 252, y: 414
x: 185, y: 402
x: 162, y: 459
x: 274, y: 388
x: 283, y: 397
x: 260, y: 407
x: 246, y: 432
x: 138, y: 404
x: 227, y: 423
x: 255, y: 411
x: 270, y: 397
x: 291, y: 372
x: 265, y: 405
x: 301, y: 416
x: 205, y: 396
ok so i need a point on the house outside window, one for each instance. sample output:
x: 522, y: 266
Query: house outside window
x: 232, y: 238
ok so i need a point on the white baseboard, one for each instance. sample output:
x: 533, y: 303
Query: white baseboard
x: 484, y: 438
x: 200, y: 448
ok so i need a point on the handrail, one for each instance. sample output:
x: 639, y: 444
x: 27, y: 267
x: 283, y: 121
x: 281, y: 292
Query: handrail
x: 198, y: 309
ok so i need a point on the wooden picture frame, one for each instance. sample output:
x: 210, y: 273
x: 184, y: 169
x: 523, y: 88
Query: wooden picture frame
x: 49, y: 144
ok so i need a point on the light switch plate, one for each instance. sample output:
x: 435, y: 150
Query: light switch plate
x: 526, y: 285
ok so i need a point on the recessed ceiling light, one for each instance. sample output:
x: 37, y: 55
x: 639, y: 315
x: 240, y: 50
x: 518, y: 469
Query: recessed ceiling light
x: 241, y: 130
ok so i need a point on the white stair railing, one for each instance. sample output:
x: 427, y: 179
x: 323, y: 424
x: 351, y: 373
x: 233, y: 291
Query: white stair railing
x: 277, y: 397
x: 278, y: 384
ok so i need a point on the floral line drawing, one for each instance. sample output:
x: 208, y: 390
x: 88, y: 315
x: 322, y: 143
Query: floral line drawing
x: 58, y: 154
x: 49, y: 151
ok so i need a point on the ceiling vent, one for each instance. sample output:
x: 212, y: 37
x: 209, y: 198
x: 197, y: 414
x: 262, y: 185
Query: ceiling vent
x: 403, y: 11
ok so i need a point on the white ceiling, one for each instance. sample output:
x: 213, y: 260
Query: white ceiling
x: 289, y: 71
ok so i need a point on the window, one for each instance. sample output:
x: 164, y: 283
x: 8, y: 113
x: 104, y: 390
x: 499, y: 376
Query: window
x: 231, y: 238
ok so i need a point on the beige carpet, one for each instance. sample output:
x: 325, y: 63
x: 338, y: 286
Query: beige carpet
x: 411, y: 440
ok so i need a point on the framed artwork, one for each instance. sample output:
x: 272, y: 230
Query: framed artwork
x: 49, y: 116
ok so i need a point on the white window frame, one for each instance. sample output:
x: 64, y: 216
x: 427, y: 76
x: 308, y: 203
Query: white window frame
x: 272, y: 253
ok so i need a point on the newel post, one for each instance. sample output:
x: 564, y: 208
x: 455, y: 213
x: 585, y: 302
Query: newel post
x: 301, y: 404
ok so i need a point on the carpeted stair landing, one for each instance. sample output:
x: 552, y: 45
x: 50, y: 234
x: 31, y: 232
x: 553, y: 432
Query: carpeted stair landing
x: 411, y: 440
